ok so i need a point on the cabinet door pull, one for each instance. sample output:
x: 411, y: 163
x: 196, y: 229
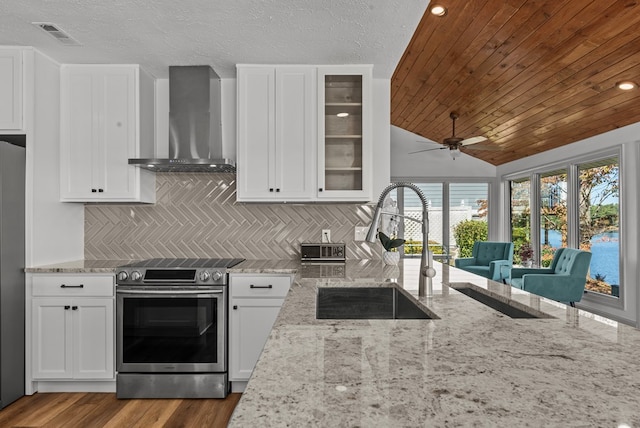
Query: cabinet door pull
x: 72, y: 286
x: 94, y: 190
x: 271, y: 189
x: 100, y: 190
x: 277, y: 190
x: 260, y: 286
x: 320, y: 189
x: 66, y: 307
x: 74, y: 308
x: 235, y: 307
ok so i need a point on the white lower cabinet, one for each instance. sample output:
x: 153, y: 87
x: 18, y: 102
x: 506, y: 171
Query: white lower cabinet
x: 254, y: 304
x: 72, y: 327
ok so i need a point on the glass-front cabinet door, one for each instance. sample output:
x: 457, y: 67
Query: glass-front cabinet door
x: 344, y: 133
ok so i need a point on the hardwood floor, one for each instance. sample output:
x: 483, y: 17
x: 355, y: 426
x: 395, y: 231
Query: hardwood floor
x: 105, y: 410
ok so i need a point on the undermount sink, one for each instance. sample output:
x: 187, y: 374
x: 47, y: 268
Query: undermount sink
x: 367, y: 303
x: 499, y: 305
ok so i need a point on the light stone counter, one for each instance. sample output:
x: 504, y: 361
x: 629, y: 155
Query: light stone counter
x: 80, y: 266
x: 472, y: 367
x: 109, y: 266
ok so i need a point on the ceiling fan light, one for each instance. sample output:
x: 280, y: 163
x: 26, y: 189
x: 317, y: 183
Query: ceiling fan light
x: 455, y: 153
x: 626, y: 85
x: 438, y: 10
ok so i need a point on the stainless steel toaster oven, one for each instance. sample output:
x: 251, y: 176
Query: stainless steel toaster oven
x: 325, y: 252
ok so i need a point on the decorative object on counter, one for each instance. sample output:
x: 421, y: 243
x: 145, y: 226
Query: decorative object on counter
x: 391, y: 256
x: 426, y: 260
x: 526, y: 255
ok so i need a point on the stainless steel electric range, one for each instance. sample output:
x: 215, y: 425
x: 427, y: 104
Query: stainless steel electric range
x: 171, y: 328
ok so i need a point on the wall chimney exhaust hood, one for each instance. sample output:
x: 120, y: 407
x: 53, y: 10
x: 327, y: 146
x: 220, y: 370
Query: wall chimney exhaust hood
x: 195, y: 124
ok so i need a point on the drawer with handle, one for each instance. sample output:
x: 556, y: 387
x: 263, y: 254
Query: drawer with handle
x: 259, y: 285
x: 72, y: 285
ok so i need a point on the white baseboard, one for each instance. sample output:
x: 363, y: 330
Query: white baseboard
x: 238, y: 386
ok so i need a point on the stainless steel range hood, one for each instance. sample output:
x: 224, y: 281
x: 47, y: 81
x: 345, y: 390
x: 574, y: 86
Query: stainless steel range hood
x: 195, y: 124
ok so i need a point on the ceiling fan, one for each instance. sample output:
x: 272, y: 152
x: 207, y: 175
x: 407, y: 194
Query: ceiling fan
x: 454, y: 143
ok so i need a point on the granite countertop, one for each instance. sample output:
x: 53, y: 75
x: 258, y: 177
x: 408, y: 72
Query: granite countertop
x: 80, y: 266
x: 471, y: 367
x: 109, y: 266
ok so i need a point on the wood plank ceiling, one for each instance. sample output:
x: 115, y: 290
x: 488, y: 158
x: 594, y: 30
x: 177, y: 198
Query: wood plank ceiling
x: 528, y: 75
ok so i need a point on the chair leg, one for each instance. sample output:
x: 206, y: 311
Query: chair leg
x: 572, y: 304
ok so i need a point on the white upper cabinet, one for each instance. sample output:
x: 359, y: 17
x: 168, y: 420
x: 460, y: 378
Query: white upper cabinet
x: 276, y: 133
x: 344, y: 133
x: 10, y: 89
x: 304, y: 133
x: 106, y: 118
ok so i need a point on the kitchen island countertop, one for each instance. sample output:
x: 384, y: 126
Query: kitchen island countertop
x: 473, y: 366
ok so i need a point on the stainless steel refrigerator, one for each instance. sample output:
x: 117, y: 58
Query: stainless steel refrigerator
x: 12, y: 287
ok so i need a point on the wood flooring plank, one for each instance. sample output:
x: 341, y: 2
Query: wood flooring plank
x: 204, y: 413
x: 57, y: 403
x: 22, y: 407
x: 93, y: 410
x: 101, y: 410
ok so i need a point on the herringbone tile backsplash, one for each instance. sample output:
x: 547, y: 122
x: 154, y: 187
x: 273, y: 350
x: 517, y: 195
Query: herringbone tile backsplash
x: 196, y: 215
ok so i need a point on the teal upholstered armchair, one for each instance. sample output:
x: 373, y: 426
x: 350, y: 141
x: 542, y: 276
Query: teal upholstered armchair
x: 563, y: 281
x: 487, y: 259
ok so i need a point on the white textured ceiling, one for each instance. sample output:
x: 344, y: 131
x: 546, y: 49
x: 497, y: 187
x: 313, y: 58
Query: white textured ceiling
x: 221, y: 33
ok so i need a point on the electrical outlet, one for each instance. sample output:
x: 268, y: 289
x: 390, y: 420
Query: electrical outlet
x: 360, y: 233
x: 326, y: 235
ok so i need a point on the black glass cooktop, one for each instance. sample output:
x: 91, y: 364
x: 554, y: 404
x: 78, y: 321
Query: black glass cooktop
x: 179, y: 263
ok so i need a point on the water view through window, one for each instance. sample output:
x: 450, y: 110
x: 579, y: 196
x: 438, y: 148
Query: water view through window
x: 553, y: 214
x: 600, y: 223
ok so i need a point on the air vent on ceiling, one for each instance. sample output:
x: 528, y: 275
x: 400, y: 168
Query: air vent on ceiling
x: 56, y: 33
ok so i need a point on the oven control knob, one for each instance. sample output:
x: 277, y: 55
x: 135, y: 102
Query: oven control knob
x: 204, y: 276
x: 122, y: 276
x: 216, y: 275
x: 136, y: 276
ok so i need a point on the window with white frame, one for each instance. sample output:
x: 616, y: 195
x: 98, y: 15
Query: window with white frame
x: 599, y: 223
x: 576, y: 206
x: 457, y: 211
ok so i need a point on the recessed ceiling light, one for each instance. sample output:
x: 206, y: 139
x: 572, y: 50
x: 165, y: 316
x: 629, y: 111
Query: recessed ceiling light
x: 626, y: 85
x: 151, y: 166
x: 438, y: 10
x: 213, y: 166
x: 345, y: 114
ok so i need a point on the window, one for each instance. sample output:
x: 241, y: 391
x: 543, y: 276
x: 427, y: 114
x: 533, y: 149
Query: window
x: 599, y: 223
x: 520, y: 212
x: 575, y: 205
x: 553, y: 214
x: 412, y: 208
x: 452, y: 206
x: 468, y: 210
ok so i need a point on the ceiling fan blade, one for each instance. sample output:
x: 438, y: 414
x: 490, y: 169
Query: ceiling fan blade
x: 427, y: 150
x: 485, y: 148
x: 472, y: 140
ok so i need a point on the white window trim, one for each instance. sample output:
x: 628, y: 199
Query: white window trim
x: 602, y: 301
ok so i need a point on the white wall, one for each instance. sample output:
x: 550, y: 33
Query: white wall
x: 438, y: 165
x: 435, y: 163
x: 381, y: 136
x: 626, y: 140
x: 55, y: 230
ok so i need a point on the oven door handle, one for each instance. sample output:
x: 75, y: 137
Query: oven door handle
x: 168, y: 292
